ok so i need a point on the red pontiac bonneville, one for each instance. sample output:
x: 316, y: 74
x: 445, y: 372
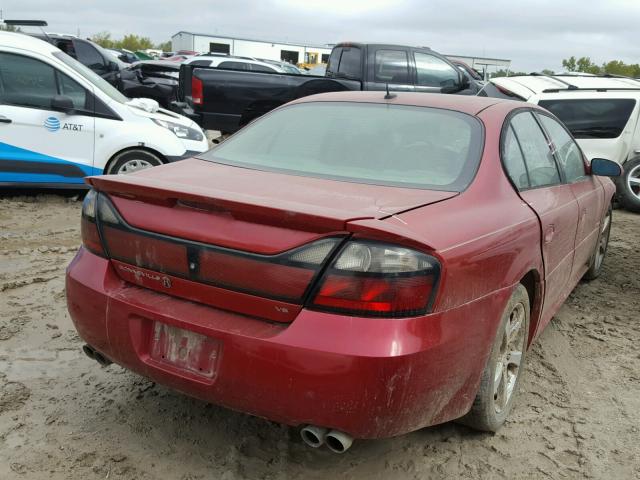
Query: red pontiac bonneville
x: 359, y: 265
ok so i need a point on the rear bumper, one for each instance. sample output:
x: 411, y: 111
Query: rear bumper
x: 369, y: 377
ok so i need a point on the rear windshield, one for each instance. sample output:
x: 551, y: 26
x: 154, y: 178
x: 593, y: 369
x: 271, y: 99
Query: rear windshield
x: 379, y: 144
x: 597, y: 118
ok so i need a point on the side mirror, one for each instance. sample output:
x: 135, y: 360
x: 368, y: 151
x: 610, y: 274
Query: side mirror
x: 60, y: 103
x: 605, y: 168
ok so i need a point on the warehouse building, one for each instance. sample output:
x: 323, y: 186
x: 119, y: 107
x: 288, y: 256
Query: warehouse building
x: 296, y: 53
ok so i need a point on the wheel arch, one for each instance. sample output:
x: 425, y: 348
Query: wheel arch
x: 532, y: 282
x: 155, y: 152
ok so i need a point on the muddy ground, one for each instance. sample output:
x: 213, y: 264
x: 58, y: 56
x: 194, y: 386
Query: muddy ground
x: 62, y: 416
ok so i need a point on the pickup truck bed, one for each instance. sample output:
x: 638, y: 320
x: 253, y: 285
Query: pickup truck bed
x: 232, y: 98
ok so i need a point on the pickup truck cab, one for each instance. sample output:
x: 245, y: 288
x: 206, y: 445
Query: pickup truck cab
x: 225, y: 100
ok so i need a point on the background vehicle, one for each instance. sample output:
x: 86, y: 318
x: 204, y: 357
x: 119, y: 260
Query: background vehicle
x: 101, y: 61
x: 600, y: 111
x: 59, y: 121
x: 153, y: 79
x: 371, y: 284
x: 230, y: 62
x: 226, y: 101
x: 123, y: 55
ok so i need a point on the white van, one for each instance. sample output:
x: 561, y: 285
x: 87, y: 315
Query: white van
x: 59, y: 121
x: 602, y: 113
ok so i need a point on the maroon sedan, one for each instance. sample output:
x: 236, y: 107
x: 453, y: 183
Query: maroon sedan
x: 359, y: 265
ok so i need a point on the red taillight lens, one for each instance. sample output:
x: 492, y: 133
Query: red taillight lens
x: 88, y: 227
x: 378, y: 280
x: 196, y: 90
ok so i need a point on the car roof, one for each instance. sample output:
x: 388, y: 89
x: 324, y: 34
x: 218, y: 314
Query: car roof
x: 529, y: 85
x: 25, y: 42
x: 215, y: 60
x: 471, y: 105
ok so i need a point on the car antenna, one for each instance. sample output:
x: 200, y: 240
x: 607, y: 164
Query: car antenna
x: 389, y: 95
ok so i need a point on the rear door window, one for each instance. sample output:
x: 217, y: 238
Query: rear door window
x: 592, y: 118
x: 391, y: 66
x: 234, y: 65
x: 432, y: 71
x: 88, y: 55
x: 539, y: 160
x: 567, y: 152
x: 261, y: 68
x: 350, y: 62
x: 514, y: 160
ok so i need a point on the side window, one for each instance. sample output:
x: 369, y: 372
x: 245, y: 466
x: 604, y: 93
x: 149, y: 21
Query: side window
x: 350, y: 62
x: 200, y: 63
x: 539, y: 160
x: 391, y: 66
x: 89, y: 56
x: 261, y: 68
x: 73, y: 90
x: 434, y: 72
x: 234, y: 65
x: 567, y: 152
x: 514, y: 161
x: 27, y: 82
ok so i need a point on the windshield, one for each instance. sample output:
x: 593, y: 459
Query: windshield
x: 592, y: 118
x: 380, y: 144
x: 92, y: 77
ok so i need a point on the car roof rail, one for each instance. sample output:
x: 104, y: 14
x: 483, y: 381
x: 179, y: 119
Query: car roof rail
x: 570, y: 86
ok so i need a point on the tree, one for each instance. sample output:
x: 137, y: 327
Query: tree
x: 546, y: 71
x: 134, y: 42
x: 569, y: 64
x: 164, y: 46
x: 103, y: 39
x: 585, y: 65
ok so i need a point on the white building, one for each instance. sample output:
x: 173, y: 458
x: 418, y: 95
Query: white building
x: 295, y: 53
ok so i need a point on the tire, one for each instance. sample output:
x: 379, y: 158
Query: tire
x: 628, y: 192
x: 498, y: 386
x: 597, y: 259
x: 131, y: 161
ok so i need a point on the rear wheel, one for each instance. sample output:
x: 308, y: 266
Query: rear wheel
x: 131, y: 161
x: 595, y: 266
x: 501, y: 376
x: 629, y: 186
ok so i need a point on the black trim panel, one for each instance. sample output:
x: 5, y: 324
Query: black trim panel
x: 48, y: 168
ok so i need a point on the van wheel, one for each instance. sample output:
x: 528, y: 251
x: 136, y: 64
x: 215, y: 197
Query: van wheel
x: 132, y: 161
x: 501, y: 376
x: 595, y: 265
x: 629, y: 186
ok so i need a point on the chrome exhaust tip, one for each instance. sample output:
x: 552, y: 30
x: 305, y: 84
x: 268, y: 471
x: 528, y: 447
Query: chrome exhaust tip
x: 338, y: 442
x: 313, y: 436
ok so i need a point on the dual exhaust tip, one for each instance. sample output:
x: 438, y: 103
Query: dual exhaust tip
x: 93, y: 354
x: 336, y: 441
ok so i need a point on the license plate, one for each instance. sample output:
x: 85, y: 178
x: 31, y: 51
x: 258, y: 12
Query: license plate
x: 185, y: 350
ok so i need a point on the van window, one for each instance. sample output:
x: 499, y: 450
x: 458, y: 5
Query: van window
x: 592, y: 118
x: 73, y: 90
x: 539, y: 160
x: 391, y: 66
x: 27, y: 82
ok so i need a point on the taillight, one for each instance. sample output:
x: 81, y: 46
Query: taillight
x: 196, y: 90
x: 88, y: 227
x: 378, y: 280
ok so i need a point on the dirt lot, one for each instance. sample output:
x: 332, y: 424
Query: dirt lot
x: 62, y: 416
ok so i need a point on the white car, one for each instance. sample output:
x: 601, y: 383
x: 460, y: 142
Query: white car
x: 59, y: 121
x: 235, y: 63
x: 601, y: 112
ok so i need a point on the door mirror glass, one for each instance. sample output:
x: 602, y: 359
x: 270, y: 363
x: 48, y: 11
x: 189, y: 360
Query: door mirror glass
x: 62, y: 103
x: 605, y: 168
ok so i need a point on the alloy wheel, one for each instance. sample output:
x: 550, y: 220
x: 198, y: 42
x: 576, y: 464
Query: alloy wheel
x: 134, y: 165
x: 507, y: 367
x: 633, y: 181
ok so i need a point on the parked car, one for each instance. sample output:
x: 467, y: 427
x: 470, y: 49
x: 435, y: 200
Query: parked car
x: 470, y: 72
x: 602, y: 114
x: 423, y: 243
x: 230, y: 62
x: 123, y: 55
x: 153, y: 79
x: 60, y: 122
x: 226, y: 101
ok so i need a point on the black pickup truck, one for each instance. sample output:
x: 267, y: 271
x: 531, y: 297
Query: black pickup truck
x: 226, y: 100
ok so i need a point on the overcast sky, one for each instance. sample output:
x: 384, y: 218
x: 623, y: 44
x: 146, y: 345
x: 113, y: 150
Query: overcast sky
x: 535, y: 34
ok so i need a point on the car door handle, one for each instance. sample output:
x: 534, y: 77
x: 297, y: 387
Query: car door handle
x: 549, y: 234
x: 4, y: 119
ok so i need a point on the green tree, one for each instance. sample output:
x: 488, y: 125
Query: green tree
x: 569, y: 64
x: 103, y: 39
x: 546, y: 71
x: 164, y: 46
x: 134, y: 42
x: 585, y: 65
